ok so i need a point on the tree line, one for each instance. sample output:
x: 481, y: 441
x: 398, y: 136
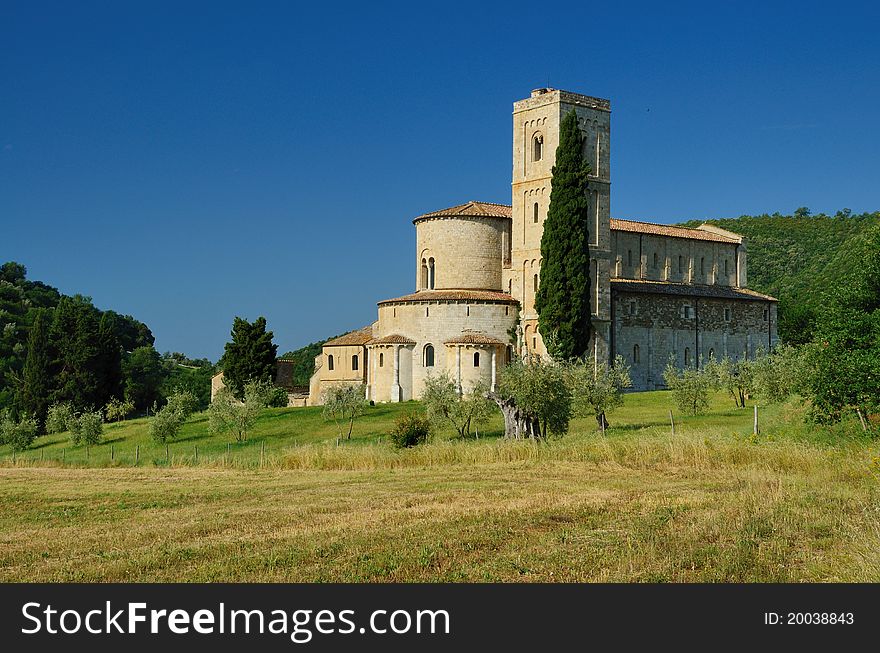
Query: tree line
x: 57, y: 349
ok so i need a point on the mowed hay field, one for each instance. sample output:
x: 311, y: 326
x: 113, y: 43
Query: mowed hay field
x: 712, y: 503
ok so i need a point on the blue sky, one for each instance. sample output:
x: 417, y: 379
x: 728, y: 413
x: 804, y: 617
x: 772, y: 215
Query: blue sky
x: 189, y: 162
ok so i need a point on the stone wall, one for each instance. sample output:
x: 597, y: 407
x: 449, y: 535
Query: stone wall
x: 467, y: 251
x: 649, y: 329
x: 435, y: 323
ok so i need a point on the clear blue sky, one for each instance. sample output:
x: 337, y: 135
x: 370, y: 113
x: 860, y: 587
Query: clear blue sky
x: 186, y: 163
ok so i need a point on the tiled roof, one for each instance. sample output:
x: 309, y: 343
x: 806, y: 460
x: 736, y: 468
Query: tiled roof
x: 473, y: 339
x: 471, y: 209
x: 668, y: 230
x: 359, y: 337
x: 687, y: 289
x: 453, y: 295
x: 393, y: 339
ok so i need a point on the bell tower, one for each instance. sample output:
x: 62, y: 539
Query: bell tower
x: 536, y: 124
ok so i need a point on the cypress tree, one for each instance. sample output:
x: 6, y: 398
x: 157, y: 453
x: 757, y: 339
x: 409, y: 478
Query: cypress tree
x: 563, y: 298
x: 251, y: 356
x: 33, y: 397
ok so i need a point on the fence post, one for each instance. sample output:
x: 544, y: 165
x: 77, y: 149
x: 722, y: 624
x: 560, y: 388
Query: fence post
x: 137, y: 454
x: 262, y: 451
x: 112, y: 453
x: 88, y: 453
x: 13, y: 456
x: 41, y: 455
x: 196, y: 447
x: 63, y: 455
x: 672, y: 421
x: 337, y: 442
x: 166, y: 453
x: 756, y: 420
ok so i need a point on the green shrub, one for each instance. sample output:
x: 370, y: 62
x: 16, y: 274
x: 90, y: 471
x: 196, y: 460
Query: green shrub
x: 410, y: 430
x: 690, y: 388
x: 86, y: 428
x: 168, y: 420
x: 277, y: 398
x: 18, y: 435
x: 58, y: 417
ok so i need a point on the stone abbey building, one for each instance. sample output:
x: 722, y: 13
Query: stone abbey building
x: 658, y: 292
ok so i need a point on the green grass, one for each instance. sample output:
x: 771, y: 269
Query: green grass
x: 712, y: 503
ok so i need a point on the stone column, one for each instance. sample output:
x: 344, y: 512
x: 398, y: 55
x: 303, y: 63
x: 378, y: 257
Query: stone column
x: 458, y: 368
x: 494, y: 354
x: 371, y: 373
x: 395, y: 388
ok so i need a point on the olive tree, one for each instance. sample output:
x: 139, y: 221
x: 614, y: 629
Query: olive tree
x: 534, y: 398
x: 443, y: 402
x: 690, y: 388
x: 228, y: 414
x: 344, y: 403
x: 597, y: 388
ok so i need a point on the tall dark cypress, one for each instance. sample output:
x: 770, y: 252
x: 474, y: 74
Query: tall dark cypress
x: 251, y: 356
x: 563, y: 297
x: 33, y: 394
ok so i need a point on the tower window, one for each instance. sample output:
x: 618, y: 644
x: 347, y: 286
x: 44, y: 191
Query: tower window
x: 429, y: 355
x: 476, y: 359
x: 424, y: 274
x: 431, y: 273
x: 637, y: 355
x: 330, y: 362
x: 536, y: 283
x: 535, y: 213
x: 381, y: 359
x: 354, y: 363
x: 537, y: 147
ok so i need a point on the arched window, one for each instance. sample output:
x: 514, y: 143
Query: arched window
x: 725, y: 267
x: 655, y: 260
x: 681, y: 264
x: 535, y: 213
x: 330, y: 362
x: 629, y: 257
x: 702, y: 265
x: 476, y: 359
x: 537, y: 147
x: 687, y: 356
x: 636, y: 355
x: 424, y: 274
x: 429, y: 355
x: 711, y: 353
x: 431, y: 273
x: 536, y: 283
x: 354, y: 363
x: 381, y: 359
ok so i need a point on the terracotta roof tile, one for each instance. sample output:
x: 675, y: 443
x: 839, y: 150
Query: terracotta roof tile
x: 494, y: 296
x: 393, y: 339
x: 358, y: 337
x: 687, y: 289
x: 668, y: 230
x: 473, y: 339
x: 471, y: 209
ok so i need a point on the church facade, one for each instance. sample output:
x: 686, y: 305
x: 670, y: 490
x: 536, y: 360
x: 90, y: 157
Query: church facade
x: 658, y: 292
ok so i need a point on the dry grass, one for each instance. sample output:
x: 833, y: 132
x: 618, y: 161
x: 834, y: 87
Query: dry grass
x: 639, y: 507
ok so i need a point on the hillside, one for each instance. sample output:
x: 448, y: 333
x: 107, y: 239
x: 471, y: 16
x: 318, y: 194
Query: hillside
x: 796, y: 258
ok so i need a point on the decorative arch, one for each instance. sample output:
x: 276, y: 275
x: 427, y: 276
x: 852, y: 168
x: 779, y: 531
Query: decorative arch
x: 476, y: 359
x: 428, y: 356
x: 330, y: 362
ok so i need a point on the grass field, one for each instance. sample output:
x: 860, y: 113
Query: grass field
x: 712, y: 503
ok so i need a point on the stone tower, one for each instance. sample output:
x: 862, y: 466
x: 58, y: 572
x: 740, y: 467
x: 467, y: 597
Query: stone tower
x: 536, y: 122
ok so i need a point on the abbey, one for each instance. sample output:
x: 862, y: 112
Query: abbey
x: 658, y: 292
